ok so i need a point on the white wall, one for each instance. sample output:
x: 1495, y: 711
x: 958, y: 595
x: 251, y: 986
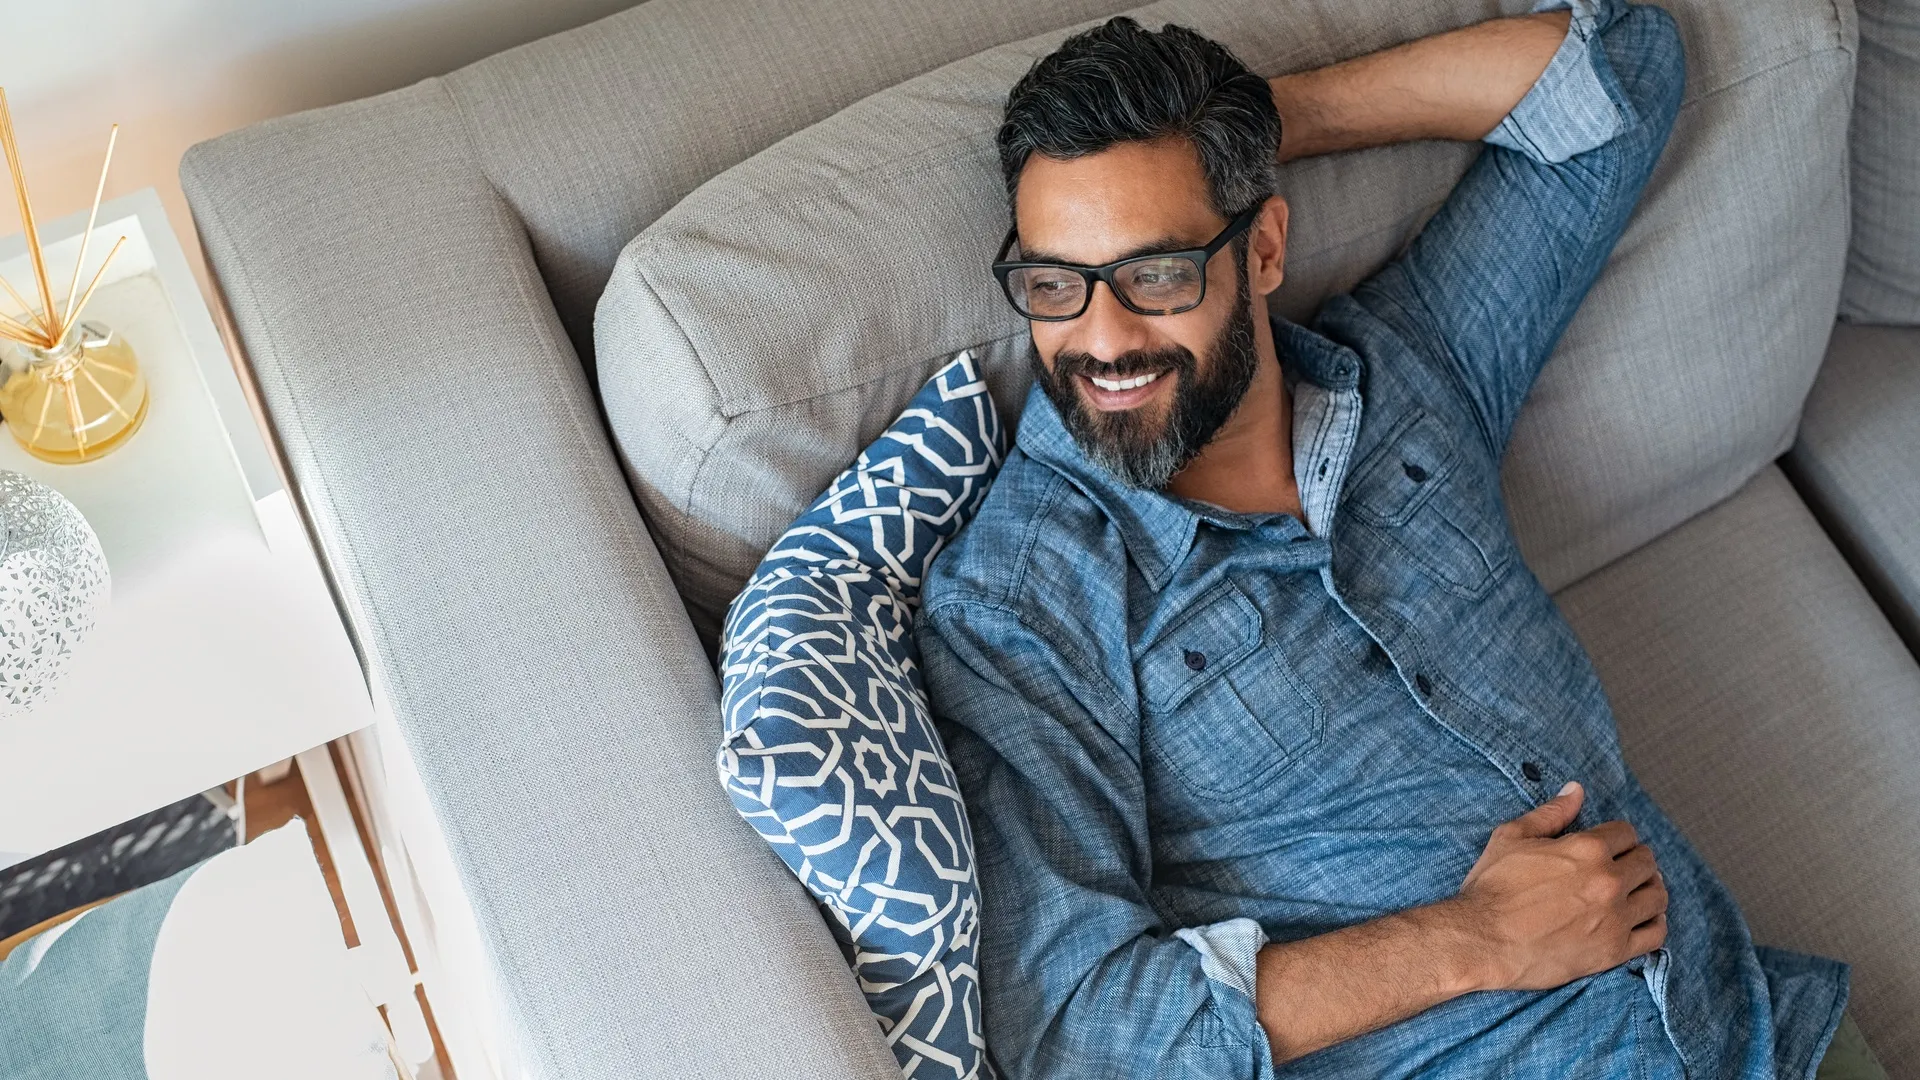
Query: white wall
x: 174, y: 72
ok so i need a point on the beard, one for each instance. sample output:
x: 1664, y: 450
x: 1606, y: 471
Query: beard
x: 1134, y: 446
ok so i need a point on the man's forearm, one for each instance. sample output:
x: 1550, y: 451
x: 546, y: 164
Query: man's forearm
x: 1538, y: 910
x: 1456, y: 85
x: 1326, y: 989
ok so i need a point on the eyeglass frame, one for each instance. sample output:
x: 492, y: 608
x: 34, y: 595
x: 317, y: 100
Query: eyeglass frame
x: 1201, y: 256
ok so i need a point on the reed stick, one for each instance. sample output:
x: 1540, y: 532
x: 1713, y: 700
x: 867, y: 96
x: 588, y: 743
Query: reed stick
x: 26, y: 214
x: 95, y: 283
x: 75, y: 422
x: 31, y: 337
x: 99, y: 189
x: 28, y: 308
x: 8, y: 322
x: 105, y: 394
x: 40, y: 425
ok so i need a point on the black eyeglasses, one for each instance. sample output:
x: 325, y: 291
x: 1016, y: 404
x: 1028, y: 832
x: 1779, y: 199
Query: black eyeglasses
x: 1164, y: 283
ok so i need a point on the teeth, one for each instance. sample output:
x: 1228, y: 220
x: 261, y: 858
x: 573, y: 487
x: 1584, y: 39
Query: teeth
x: 1124, y: 384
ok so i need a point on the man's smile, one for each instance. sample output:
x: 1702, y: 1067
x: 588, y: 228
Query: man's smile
x: 1114, y: 395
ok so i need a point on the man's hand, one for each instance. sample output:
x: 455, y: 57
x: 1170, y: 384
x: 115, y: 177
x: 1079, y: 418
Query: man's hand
x: 1538, y: 911
x: 1553, y: 908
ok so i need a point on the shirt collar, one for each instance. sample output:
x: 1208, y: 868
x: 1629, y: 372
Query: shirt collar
x: 1156, y: 527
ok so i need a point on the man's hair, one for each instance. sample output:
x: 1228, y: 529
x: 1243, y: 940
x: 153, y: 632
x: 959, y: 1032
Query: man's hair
x: 1120, y: 82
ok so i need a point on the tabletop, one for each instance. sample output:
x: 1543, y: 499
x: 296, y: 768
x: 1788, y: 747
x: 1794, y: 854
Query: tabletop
x: 220, y: 650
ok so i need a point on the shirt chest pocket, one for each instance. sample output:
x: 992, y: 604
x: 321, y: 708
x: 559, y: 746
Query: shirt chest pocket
x: 1416, y: 489
x: 1224, y: 714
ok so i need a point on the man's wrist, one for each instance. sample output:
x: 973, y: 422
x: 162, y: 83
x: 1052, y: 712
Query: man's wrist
x: 1302, y: 134
x: 1466, y: 954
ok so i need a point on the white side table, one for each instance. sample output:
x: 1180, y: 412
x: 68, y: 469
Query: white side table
x: 221, y: 651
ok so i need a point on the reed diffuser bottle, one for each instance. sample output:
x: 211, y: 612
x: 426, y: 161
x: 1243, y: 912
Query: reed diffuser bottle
x: 74, y: 401
x: 70, y: 391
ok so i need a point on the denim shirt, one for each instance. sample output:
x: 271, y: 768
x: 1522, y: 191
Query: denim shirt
x: 1183, y: 733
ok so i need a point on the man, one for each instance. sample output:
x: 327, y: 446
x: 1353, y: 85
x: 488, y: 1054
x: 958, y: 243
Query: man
x: 1277, y: 757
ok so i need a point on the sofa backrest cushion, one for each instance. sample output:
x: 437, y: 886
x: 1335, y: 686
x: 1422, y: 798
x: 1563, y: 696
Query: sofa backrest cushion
x: 829, y: 748
x: 741, y: 367
x: 1883, y: 268
x: 591, y: 134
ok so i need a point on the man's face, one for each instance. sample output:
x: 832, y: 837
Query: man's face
x: 1142, y: 394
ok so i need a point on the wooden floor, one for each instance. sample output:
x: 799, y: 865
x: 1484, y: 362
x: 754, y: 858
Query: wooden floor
x: 269, y: 806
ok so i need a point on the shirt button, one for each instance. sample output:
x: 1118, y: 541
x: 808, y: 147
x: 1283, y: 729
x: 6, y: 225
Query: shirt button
x: 1531, y: 771
x: 1425, y: 687
x: 1414, y: 472
x: 1196, y: 660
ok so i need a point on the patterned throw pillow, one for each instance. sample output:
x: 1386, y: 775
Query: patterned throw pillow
x: 830, y: 751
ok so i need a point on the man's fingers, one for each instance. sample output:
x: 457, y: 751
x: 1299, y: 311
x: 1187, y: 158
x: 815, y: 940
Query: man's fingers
x: 1648, y: 936
x: 1619, y: 836
x: 1552, y: 817
x: 1647, y: 901
x: 1636, y: 865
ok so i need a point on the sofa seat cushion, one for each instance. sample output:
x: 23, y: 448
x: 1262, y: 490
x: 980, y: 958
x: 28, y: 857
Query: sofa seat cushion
x: 829, y: 748
x: 1768, y: 706
x: 741, y: 367
x: 1857, y: 461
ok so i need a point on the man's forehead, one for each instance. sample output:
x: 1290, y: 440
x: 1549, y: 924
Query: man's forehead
x: 1109, y: 205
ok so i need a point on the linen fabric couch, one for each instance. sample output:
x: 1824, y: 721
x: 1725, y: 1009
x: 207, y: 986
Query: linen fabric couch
x: 535, y: 600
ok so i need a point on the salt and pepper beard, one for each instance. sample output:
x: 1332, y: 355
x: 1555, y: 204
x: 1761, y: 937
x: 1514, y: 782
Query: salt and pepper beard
x: 1128, y: 444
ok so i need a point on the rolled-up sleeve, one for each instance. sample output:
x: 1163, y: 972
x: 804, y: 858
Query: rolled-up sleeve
x: 1570, y: 109
x: 1492, y: 281
x: 1080, y: 976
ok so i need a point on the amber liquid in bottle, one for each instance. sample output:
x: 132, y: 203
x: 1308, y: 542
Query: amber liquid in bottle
x: 75, y: 402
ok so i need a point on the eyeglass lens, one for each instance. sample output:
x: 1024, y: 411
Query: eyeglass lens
x: 1155, y: 286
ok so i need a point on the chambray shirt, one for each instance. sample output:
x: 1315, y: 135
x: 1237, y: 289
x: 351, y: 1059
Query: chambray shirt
x: 1183, y: 732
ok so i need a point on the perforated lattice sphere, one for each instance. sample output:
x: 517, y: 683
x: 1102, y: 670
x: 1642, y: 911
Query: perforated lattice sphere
x: 53, y: 581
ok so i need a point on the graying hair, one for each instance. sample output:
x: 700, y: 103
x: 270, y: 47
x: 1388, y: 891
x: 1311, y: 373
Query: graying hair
x: 1120, y: 82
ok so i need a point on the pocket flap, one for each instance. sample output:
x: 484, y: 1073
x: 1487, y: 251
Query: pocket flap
x: 1220, y: 630
x: 1403, y: 472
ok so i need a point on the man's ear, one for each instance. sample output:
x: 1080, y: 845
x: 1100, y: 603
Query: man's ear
x: 1267, y: 247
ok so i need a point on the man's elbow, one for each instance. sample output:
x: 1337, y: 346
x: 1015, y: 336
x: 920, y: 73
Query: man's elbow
x: 1645, y: 50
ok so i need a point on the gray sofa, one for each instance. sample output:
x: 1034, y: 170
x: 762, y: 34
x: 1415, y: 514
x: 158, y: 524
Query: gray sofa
x: 413, y: 280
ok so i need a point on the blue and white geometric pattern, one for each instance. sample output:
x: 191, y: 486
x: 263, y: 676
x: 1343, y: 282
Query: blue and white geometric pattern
x: 830, y: 751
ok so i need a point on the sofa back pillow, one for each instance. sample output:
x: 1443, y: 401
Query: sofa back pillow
x: 1883, y: 267
x: 756, y: 335
x: 829, y: 748
x: 590, y: 134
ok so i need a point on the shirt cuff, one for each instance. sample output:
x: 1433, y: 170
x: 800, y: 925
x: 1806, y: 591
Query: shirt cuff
x: 1576, y: 104
x: 1227, y: 951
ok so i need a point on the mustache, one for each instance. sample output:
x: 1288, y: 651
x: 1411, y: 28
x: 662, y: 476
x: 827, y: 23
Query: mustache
x: 1125, y: 366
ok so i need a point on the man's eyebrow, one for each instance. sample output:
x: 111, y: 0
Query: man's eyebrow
x: 1158, y: 246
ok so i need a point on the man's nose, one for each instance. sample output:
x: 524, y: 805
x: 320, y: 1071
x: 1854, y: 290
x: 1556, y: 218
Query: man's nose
x: 1107, y: 330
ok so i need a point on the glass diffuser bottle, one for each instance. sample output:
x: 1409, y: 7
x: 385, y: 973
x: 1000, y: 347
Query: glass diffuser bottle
x: 70, y: 391
x: 75, y: 401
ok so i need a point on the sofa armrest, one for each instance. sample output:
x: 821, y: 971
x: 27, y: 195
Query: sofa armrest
x: 510, y: 607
